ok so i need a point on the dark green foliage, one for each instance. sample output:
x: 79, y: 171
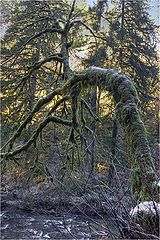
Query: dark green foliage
x: 132, y: 39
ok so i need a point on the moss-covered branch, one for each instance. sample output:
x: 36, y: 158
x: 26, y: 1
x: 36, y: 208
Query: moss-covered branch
x: 128, y: 115
x: 35, y: 135
x: 43, y: 101
x: 59, y: 102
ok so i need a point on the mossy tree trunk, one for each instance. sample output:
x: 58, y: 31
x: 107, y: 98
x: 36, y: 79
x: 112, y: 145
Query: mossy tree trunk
x: 129, y: 117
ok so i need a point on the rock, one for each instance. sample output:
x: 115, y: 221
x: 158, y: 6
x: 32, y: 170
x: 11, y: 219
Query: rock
x: 146, y: 214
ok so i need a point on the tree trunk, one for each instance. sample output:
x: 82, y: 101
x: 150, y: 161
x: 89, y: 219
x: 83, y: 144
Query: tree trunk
x: 122, y: 36
x: 93, y: 94
x: 111, y: 167
x: 93, y: 100
x: 128, y: 115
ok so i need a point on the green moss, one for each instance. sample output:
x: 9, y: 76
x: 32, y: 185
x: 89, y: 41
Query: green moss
x: 128, y: 115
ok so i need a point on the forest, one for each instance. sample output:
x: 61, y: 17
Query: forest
x: 79, y: 120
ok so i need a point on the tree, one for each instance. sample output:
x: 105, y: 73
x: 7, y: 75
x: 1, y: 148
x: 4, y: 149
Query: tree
x: 24, y: 56
x: 127, y: 113
x: 69, y: 87
x: 132, y: 40
x: 95, y: 58
x: 35, y: 53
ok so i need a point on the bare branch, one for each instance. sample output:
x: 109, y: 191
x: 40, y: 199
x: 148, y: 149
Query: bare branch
x: 70, y: 15
x: 90, y: 110
x: 36, y: 21
x: 88, y: 28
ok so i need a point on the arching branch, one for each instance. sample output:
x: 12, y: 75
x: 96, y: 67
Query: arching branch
x: 128, y: 115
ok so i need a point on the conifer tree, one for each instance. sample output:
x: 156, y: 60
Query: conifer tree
x: 132, y: 42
